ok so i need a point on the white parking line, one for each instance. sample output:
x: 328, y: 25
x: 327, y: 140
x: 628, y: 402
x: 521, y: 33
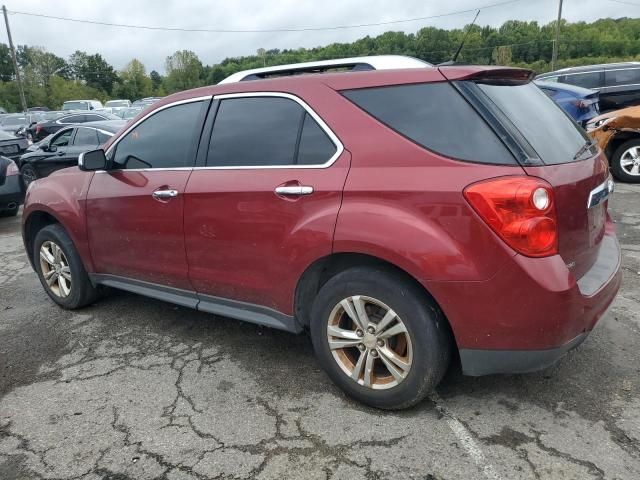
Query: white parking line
x: 466, y: 439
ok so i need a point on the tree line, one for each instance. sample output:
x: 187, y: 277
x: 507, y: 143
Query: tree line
x: 49, y: 79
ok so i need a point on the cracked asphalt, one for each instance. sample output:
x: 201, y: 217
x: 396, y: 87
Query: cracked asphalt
x: 134, y: 388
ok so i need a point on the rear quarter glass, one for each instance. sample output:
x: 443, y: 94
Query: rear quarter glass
x: 436, y: 117
x: 549, y: 130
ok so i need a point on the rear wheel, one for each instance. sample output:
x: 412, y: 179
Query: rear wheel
x: 379, y: 337
x: 60, y: 269
x: 29, y: 174
x: 625, y: 163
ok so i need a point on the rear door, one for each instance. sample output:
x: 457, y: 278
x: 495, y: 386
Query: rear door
x: 264, y: 204
x: 135, y: 209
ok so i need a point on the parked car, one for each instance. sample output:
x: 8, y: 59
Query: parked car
x: 11, y: 189
x: 580, y: 103
x: 11, y: 145
x: 81, y: 105
x: 618, y: 135
x: 18, y: 122
x: 63, y: 149
x: 345, y: 204
x: 117, y: 105
x: 618, y: 83
x: 43, y: 129
x: 129, y: 113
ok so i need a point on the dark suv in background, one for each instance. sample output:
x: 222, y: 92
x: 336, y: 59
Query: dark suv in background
x: 618, y: 83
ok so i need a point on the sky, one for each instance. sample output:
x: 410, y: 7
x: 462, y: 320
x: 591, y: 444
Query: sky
x: 119, y: 45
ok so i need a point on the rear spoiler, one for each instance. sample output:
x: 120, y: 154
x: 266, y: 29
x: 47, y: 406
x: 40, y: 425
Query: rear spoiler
x: 490, y: 76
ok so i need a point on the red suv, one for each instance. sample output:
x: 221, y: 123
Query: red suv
x: 400, y: 216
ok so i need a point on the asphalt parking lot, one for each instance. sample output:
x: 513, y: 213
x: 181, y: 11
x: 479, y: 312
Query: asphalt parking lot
x: 133, y: 388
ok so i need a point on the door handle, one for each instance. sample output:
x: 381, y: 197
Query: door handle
x: 60, y: 153
x: 165, y: 194
x: 294, y: 190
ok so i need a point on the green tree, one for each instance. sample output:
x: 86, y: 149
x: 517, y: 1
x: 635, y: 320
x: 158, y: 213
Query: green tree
x: 133, y: 82
x: 184, y: 71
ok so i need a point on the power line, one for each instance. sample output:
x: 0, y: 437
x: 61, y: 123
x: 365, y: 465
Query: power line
x: 273, y: 30
x: 626, y: 3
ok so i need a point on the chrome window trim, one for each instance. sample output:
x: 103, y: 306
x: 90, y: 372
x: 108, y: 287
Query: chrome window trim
x: 332, y: 136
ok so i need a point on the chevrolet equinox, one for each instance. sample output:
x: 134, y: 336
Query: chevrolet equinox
x: 401, y: 217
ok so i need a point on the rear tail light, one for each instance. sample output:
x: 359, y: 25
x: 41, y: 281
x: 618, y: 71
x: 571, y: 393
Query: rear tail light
x: 583, y: 104
x: 521, y: 210
x: 12, y: 169
x: 38, y: 128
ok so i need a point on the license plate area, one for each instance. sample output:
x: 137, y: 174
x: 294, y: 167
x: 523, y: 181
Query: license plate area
x: 8, y: 149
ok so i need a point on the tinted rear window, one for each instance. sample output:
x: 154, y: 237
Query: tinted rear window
x: 435, y: 116
x: 555, y: 138
x: 585, y: 80
x: 626, y: 76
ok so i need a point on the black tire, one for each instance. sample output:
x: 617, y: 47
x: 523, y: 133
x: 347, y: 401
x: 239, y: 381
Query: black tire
x: 616, y: 162
x: 428, y: 331
x: 29, y: 174
x: 82, y: 292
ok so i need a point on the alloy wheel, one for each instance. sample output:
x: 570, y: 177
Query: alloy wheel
x: 630, y: 161
x: 55, y: 269
x: 369, y: 342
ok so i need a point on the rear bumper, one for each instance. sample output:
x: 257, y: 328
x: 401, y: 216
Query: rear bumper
x: 530, y: 313
x: 485, y: 362
x: 11, y: 192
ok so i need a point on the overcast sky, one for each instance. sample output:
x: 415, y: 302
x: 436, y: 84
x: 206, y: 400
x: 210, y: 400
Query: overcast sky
x: 118, y: 45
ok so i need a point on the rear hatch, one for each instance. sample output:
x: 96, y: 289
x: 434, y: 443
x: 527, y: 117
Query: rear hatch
x: 551, y: 147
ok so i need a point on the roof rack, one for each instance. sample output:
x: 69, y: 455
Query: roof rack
x: 354, y: 64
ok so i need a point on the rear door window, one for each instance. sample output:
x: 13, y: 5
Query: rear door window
x: 72, y: 119
x: 266, y: 131
x: 436, y: 117
x: 586, y: 79
x: 552, y: 134
x: 85, y: 136
x: 622, y: 77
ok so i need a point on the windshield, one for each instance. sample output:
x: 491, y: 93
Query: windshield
x: 552, y: 134
x: 74, y: 106
x: 14, y: 121
x: 117, y: 103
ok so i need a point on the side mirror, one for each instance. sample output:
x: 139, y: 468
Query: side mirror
x: 93, y: 160
x: 50, y: 148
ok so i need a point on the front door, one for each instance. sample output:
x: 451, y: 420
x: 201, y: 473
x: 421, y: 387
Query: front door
x: 135, y: 209
x: 266, y: 202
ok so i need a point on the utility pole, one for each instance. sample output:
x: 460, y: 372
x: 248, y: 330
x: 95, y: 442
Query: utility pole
x: 556, y: 42
x: 15, y: 61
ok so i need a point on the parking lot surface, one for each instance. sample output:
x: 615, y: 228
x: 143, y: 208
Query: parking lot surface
x: 133, y: 388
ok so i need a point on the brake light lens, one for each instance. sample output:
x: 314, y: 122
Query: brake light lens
x: 521, y: 210
x: 38, y: 128
x: 12, y: 169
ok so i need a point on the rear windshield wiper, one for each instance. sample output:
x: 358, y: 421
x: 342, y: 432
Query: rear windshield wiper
x: 583, y: 149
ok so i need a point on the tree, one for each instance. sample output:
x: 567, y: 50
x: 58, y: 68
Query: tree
x: 93, y: 70
x: 6, y: 64
x: 501, y: 55
x: 184, y: 71
x: 133, y: 82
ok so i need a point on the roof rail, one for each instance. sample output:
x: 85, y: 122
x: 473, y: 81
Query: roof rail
x: 374, y: 62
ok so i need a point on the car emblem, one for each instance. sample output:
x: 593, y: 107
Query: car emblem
x: 601, y: 193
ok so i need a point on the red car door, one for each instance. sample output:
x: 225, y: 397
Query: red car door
x: 135, y: 209
x: 265, y: 205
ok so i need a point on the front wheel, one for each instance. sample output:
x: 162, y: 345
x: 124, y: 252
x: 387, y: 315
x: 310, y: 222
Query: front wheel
x: 625, y: 163
x: 60, y: 269
x: 380, y: 337
x: 29, y: 174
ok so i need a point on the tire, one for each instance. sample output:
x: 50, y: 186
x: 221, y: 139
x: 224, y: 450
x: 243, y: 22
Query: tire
x: 79, y: 292
x: 29, y: 174
x: 624, y: 154
x: 425, y: 346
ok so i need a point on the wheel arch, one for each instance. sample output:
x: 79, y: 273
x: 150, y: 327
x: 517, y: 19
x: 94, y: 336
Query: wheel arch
x: 323, y: 269
x: 32, y: 224
x: 618, y: 139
